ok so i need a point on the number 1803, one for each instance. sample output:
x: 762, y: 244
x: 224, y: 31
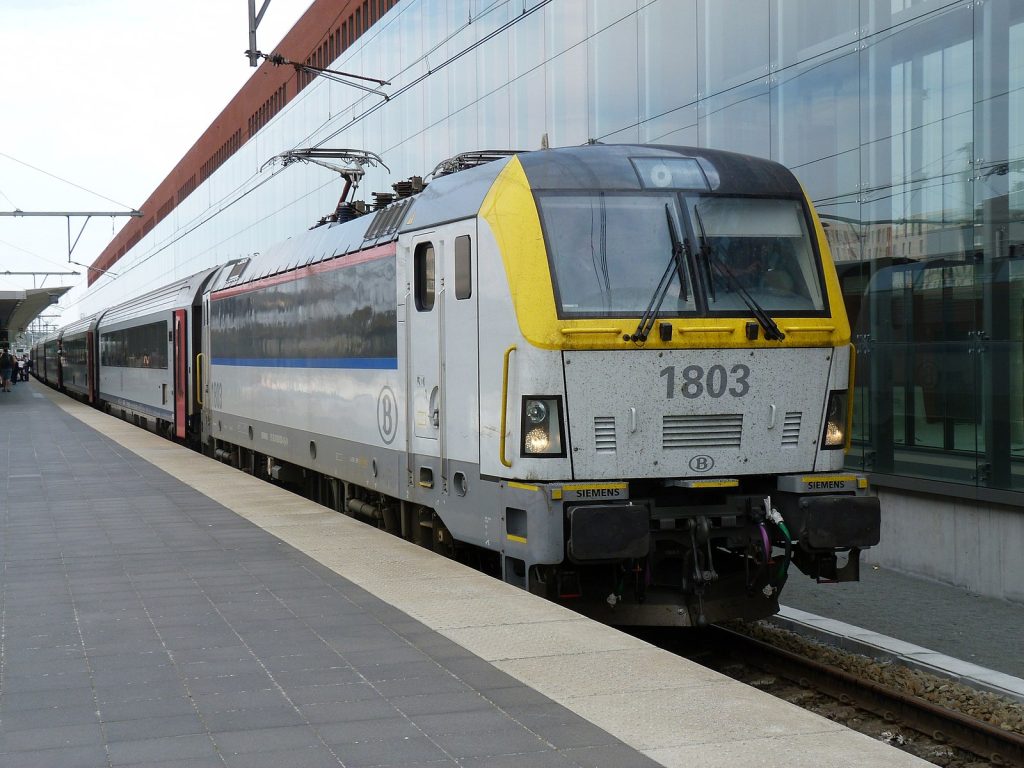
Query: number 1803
x: 715, y: 381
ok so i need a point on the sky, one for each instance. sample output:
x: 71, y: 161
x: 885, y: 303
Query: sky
x: 101, y: 98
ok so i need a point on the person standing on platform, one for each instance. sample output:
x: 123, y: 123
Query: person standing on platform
x: 28, y: 367
x: 19, y: 373
x: 6, y: 366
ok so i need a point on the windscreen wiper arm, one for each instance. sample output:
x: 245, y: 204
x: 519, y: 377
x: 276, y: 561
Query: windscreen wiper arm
x: 675, y: 264
x: 772, y: 332
x: 678, y: 249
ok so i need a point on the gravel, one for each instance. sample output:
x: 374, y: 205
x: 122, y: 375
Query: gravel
x: 982, y: 705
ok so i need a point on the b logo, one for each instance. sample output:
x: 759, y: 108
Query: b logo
x: 387, y: 415
x: 702, y: 463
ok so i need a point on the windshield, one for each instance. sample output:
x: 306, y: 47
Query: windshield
x: 609, y: 252
x: 762, y: 247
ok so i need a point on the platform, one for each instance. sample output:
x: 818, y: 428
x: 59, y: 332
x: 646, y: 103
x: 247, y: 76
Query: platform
x: 160, y: 608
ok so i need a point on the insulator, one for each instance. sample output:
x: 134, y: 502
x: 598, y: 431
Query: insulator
x: 410, y: 186
x: 346, y: 212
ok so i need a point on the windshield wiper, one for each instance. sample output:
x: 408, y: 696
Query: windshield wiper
x: 675, y: 264
x: 772, y: 332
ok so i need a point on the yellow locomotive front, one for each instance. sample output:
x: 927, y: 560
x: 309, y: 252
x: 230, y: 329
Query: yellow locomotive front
x: 678, y: 389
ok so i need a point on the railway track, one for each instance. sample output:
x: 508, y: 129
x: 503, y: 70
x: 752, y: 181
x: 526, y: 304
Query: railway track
x: 943, y: 735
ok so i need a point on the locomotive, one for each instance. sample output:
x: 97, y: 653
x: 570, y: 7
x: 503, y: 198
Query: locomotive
x: 618, y: 376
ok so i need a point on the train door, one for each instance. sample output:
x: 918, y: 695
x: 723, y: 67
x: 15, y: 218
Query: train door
x: 202, y: 372
x: 424, y: 332
x: 90, y: 366
x: 195, y: 344
x: 459, y: 364
x: 180, y: 372
x: 442, y: 352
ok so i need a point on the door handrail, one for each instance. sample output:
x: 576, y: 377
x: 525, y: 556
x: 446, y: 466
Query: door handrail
x: 504, y: 403
x: 199, y: 379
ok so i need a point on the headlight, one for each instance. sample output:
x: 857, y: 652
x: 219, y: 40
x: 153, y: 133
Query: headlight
x: 542, y: 427
x: 834, y: 436
x: 536, y: 411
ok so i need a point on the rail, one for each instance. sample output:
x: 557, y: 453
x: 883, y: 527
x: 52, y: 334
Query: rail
x: 1000, y: 746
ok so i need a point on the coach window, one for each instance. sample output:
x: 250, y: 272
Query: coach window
x: 423, y: 262
x: 463, y: 268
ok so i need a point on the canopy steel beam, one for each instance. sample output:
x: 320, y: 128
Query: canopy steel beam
x: 133, y: 214
x: 69, y: 214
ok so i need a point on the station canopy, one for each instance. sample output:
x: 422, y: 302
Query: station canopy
x: 19, y: 308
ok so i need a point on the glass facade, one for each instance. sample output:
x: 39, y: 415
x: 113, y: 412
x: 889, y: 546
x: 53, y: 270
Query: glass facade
x: 903, y: 119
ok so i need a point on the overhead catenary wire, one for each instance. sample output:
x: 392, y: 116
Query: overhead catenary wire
x: 33, y: 254
x: 192, y: 229
x: 5, y: 197
x: 65, y: 181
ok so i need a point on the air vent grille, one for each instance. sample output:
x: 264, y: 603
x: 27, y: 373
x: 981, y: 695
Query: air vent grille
x: 604, y: 434
x: 387, y: 220
x: 702, y: 431
x: 791, y: 428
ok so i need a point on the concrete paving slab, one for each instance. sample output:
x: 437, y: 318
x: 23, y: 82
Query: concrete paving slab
x: 604, y: 672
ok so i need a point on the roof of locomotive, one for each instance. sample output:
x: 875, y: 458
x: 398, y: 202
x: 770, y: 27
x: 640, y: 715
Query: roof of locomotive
x: 459, y: 196
x: 450, y: 198
x: 610, y: 167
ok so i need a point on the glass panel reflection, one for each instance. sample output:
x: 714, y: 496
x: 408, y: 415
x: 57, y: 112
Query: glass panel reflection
x: 884, y: 14
x: 677, y: 127
x: 733, y: 37
x: 613, y: 93
x: 668, y: 57
x: 736, y: 121
x: 528, y: 118
x: 804, y: 29
x: 817, y: 110
x: 567, y: 103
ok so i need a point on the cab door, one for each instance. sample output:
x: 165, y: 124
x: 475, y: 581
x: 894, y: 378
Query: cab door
x: 442, y: 377
x: 459, y: 321
x: 424, y: 329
